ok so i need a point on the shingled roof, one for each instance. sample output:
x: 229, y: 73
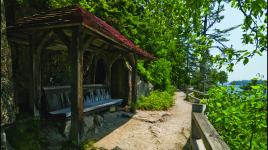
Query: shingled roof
x: 77, y: 15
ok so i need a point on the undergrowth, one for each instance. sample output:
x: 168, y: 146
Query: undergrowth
x: 157, y: 100
x: 88, y: 145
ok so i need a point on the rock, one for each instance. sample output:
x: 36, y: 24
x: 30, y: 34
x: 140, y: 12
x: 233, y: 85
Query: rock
x: 117, y: 148
x: 98, y: 120
x: 102, y: 148
x: 53, y: 138
x: 67, y: 128
x: 154, y: 130
x: 128, y: 115
x: 88, y: 123
x: 88, y: 126
x: 112, y: 109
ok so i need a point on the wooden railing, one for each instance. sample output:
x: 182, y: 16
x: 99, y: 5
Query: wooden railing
x: 203, y: 134
x: 190, y: 95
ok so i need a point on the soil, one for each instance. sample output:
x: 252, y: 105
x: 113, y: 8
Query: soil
x: 152, y: 130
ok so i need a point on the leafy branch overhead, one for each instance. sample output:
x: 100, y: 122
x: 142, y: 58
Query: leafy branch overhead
x: 181, y: 32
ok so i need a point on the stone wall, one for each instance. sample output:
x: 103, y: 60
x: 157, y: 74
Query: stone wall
x: 54, y: 134
x: 8, y: 109
x: 143, y: 88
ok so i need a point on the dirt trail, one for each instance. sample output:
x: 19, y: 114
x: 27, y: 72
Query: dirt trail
x: 151, y: 130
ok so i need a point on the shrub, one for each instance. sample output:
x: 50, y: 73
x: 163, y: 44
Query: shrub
x: 158, y: 100
x: 239, y: 116
x: 171, y: 89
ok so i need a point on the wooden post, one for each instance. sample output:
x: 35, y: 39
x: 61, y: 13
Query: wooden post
x: 76, y: 62
x: 93, y: 75
x: 129, y: 87
x: 109, y: 79
x: 134, y: 85
x: 15, y: 74
x: 196, y: 108
x: 35, y: 87
x: 129, y: 68
x: 36, y: 45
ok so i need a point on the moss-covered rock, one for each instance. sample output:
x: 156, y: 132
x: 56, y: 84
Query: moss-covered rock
x: 8, y: 108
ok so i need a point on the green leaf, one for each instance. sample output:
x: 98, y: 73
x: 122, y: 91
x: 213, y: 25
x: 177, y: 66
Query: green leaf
x: 255, y: 87
x: 218, y: 104
x: 218, y: 119
x: 245, y: 60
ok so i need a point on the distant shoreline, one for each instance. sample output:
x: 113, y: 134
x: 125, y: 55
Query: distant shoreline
x: 243, y: 82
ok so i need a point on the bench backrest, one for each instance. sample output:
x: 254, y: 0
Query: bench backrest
x: 58, y: 97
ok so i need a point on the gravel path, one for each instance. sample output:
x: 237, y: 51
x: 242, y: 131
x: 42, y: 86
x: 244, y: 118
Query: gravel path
x: 151, y: 130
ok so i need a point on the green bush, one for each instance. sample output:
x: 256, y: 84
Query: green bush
x: 158, y: 100
x: 239, y: 116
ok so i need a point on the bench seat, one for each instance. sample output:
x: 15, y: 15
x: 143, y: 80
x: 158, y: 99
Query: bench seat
x: 88, y: 107
x: 56, y: 100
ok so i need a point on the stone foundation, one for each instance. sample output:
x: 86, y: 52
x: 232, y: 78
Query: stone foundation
x: 53, y: 134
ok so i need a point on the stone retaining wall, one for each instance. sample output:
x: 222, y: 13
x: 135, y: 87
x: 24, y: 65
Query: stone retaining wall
x: 54, y: 134
x: 143, y: 88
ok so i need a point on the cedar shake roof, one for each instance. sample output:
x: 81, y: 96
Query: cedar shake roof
x: 76, y: 15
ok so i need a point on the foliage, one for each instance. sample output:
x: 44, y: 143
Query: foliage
x: 30, y: 131
x: 253, y: 83
x: 214, y: 77
x: 135, y: 20
x: 171, y: 89
x: 253, y: 27
x: 160, y: 72
x: 144, y: 72
x: 239, y: 116
x: 218, y: 76
x: 88, y: 145
x: 243, y: 82
x: 178, y: 31
x: 157, y: 100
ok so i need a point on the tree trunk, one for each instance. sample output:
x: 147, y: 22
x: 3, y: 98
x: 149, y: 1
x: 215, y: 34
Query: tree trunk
x: 203, y: 65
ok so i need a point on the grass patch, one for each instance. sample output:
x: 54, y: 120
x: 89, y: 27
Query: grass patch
x: 157, y: 100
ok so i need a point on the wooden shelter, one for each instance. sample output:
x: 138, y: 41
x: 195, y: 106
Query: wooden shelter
x: 79, y: 33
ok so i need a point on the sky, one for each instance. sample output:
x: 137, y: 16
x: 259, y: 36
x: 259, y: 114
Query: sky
x: 257, y: 64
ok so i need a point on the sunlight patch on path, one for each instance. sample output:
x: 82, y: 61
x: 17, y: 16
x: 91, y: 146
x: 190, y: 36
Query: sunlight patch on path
x: 150, y: 130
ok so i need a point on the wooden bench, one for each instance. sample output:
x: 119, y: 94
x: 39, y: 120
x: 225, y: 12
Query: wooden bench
x: 56, y: 100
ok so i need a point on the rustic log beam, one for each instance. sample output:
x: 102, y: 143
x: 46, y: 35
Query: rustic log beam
x: 63, y: 37
x: 94, y: 70
x: 41, y: 27
x: 18, y: 41
x: 109, y: 78
x: 44, y: 39
x: 91, y: 31
x: 38, y: 42
x: 35, y: 61
x: 87, y: 65
x: 15, y: 71
x: 87, y: 39
x: 76, y: 62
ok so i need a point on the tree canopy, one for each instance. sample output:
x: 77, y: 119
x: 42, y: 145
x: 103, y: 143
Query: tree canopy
x: 180, y: 33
